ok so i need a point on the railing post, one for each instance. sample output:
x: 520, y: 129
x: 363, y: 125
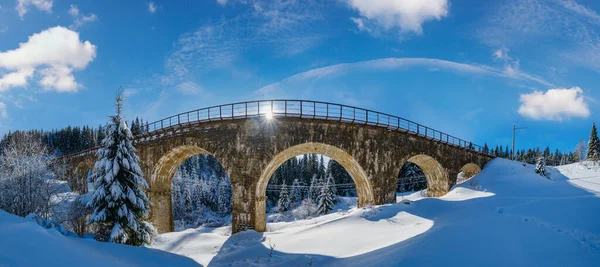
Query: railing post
x: 232, y: 112
x: 221, y: 112
x: 341, y: 112
x: 301, y: 108
x: 327, y: 111
x: 314, y: 109
x: 179, y: 119
x: 246, y: 111
x: 285, y: 108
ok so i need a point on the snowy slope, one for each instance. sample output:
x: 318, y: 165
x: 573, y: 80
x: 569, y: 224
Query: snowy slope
x: 24, y: 243
x: 584, y: 175
x: 505, y: 216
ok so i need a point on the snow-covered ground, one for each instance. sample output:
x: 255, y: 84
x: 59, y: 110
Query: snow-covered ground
x: 505, y: 216
x: 25, y: 243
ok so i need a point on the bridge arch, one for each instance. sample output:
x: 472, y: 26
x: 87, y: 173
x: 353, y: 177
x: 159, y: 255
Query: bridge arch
x: 160, y: 182
x: 469, y: 170
x: 436, y: 175
x: 364, y: 188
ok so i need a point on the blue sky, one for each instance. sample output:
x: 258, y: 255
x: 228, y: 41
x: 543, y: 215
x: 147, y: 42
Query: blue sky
x: 467, y: 69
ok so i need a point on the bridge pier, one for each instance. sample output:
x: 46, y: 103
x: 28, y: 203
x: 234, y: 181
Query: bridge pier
x: 161, y: 214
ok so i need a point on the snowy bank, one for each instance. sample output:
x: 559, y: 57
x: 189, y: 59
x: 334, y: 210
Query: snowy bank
x: 25, y: 243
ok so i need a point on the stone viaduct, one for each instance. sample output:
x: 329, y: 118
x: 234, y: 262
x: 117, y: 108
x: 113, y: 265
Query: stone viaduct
x: 252, y: 139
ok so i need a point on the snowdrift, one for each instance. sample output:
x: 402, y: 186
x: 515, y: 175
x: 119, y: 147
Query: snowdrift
x: 25, y: 243
x: 505, y: 216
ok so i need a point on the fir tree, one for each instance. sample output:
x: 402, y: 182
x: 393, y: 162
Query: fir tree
x: 540, y: 167
x: 283, y: 204
x: 313, y: 190
x: 119, y: 201
x: 326, y: 199
x: 593, y: 153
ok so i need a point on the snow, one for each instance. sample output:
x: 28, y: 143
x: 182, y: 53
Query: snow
x: 25, y: 243
x: 506, y: 216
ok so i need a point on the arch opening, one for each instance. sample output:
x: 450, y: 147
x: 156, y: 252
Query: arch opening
x: 467, y: 171
x: 308, y: 186
x: 200, y: 194
x: 411, y: 183
x: 189, y: 184
x: 364, y: 190
x: 436, y: 176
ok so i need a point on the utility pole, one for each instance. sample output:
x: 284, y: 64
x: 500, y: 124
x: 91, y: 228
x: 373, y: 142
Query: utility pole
x: 514, y: 128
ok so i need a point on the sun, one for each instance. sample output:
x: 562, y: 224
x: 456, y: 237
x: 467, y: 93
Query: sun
x: 269, y: 115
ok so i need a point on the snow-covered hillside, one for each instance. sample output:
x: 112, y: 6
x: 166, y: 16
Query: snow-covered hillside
x: 505, y: 216
x: 25, y: 243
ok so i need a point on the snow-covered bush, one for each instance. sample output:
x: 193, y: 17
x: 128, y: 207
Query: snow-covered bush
x: 540, y: 167
x: 306, y: 210
x: 119, y: 202
x: 25, y: 176
x: 77, y: 217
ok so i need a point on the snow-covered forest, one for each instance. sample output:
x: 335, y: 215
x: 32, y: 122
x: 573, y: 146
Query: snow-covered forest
x: 201, y: 194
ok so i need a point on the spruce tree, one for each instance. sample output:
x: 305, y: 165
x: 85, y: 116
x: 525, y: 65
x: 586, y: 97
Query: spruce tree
x: 283, y: 204
x: 540, y: 167
x: 326, y: 199
x: 593, y: 153
x: 119, y: 202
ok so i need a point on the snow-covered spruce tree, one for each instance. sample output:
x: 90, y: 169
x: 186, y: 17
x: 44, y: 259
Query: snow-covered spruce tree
x: 283, y: 204
x: 593, y: 153
x: 313, y: 190
x: 326, y: 199
x: 540, y: 167
x: 119, y: 203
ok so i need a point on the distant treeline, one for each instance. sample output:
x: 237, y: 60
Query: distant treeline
x: 70, y: 139
x: 530, y: 156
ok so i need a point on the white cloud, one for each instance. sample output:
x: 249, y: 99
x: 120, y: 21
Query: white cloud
x: 398, y: 63
x: 54, y: 53
x: 151, y: 7
x: 406, y: 15
x: 554, y: 104
x: 222, y: 2
x: 80, y: 19
x: 3, y: 29
x: 74, y: 11
x: 501, y: 53
x: 3, y: 113
x: 43, y: 5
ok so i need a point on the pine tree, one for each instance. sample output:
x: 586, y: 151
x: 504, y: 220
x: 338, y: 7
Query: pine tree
x: 540, y: 167
x: 119, y: 201
x: 593, y: 153
x: 283, y: 204
x: 326, y: 199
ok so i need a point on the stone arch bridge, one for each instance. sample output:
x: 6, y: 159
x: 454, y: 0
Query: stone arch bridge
x: 252, y: 139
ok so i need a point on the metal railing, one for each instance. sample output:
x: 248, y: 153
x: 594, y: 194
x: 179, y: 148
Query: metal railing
x: 303, y: 109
